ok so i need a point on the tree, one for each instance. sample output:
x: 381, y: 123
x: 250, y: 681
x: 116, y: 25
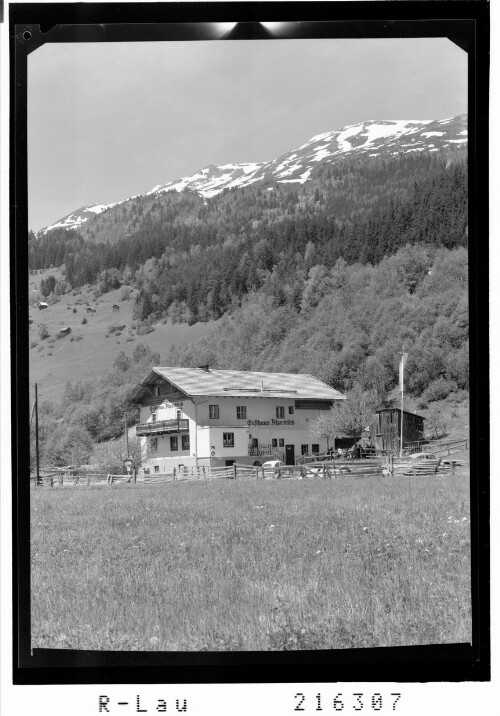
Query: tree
x: 347, y: 417
x: 43, y: 331
x: 353, y: 415
x: 324, y: 428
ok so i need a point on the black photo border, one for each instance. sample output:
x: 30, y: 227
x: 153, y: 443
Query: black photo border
x: 464, y: 22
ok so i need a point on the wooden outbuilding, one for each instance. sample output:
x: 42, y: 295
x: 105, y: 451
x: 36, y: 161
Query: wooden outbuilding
x: 386, y: 429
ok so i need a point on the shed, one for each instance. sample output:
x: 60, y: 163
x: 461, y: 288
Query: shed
x: 42, y: 305
x: 89, y: 309
x: 65, y: 331
x: 386, y: 428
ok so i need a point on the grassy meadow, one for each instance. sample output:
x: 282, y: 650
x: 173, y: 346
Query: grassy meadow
x: 278, y: 565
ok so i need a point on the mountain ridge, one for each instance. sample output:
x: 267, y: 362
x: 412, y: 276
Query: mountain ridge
x: 383, y: 139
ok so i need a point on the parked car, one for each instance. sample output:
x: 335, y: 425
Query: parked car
x: 278, y: 467
x: 419, y: 456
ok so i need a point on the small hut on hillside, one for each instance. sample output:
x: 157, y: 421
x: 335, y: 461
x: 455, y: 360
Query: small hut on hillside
x: 386, y: 429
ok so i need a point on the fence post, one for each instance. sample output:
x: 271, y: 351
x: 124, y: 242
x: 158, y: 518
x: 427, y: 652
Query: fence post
x: 256, y: 473
x: 234, y: 470
x: 324, y: 471
x: 88, y: 479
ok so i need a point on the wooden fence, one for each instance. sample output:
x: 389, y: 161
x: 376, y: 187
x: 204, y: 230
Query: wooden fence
x: 431, y: 466
x: 325, y: 469
x: 447, y: 448
x: 369, y: 466
x: 61, y: 478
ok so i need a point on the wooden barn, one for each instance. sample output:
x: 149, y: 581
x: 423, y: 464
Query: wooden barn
x: 386, y: 429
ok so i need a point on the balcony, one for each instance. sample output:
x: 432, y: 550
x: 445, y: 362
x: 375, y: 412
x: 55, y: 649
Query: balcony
x: 265, y: 450
x: 162, y: 427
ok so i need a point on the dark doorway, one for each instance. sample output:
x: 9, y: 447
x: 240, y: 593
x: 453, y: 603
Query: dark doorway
x: 229, y: 463
x: 290, y: 454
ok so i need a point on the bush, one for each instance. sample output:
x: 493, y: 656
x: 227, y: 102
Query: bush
x: 438, y: 390
x: 84, y: 321
x: 43, y: 331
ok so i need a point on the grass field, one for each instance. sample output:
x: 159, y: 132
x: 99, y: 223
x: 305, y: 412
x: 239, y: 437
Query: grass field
x: 284, y: 565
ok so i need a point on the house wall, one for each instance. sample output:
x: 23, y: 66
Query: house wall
x: 206, y: 434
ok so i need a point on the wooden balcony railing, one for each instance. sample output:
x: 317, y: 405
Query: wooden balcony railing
x: 163, y: 426
x: 261, y: 450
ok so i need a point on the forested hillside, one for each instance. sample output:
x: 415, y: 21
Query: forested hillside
x: 347, y: 326
x: 194, y: 260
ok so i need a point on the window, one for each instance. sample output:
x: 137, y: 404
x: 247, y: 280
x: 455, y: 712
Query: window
x: 213, y: 412
x: 241, y: 412
x: 185, y: 442
x: 280, y: 411
x: 153, y: 417
x: 315, y: 448
x: 304, y: 449
x: 157, y: 468
x: 179, y: 413
x: 290, y: 410
x: 174, y: 443
x: 156, y: 390
x: 153, y: 444
x: 274, y: 442
x: 282, y: 442
x: 228, y: 439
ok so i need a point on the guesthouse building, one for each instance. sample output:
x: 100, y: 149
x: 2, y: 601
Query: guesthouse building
x: 194, y: 417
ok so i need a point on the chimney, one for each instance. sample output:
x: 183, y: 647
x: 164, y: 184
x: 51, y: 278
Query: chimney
x: 206, y: 368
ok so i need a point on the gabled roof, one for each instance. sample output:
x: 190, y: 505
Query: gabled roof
x: 237, y: 383
x: 395, y: 409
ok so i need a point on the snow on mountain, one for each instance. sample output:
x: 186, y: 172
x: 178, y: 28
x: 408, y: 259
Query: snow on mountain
x: 376, y: 138
x: 386, y: 137
x: 78, y: 217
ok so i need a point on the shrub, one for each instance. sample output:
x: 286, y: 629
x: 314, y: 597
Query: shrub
x: 84, y: 321
x: 438, y: 390
x: 43, y: 331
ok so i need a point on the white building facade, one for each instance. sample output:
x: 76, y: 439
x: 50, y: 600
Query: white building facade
x: 194, y: 417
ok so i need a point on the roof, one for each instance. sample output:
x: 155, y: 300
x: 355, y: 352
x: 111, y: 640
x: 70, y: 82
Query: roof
x: 389, y: 410
x: 237, y: 383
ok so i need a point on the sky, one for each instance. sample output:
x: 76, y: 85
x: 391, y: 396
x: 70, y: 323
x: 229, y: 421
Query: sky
x: 110, y: 120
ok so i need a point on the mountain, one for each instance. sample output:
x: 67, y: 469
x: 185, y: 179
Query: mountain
x: 382, y: 140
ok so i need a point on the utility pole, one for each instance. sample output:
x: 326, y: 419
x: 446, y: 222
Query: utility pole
x: 36, y: 437
x: 404, y: 356
x: 126, y: 431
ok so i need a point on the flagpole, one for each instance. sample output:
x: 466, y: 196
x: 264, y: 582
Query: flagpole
x: 402, y: 417
x: 37, y: 451
x: 401, y: 377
